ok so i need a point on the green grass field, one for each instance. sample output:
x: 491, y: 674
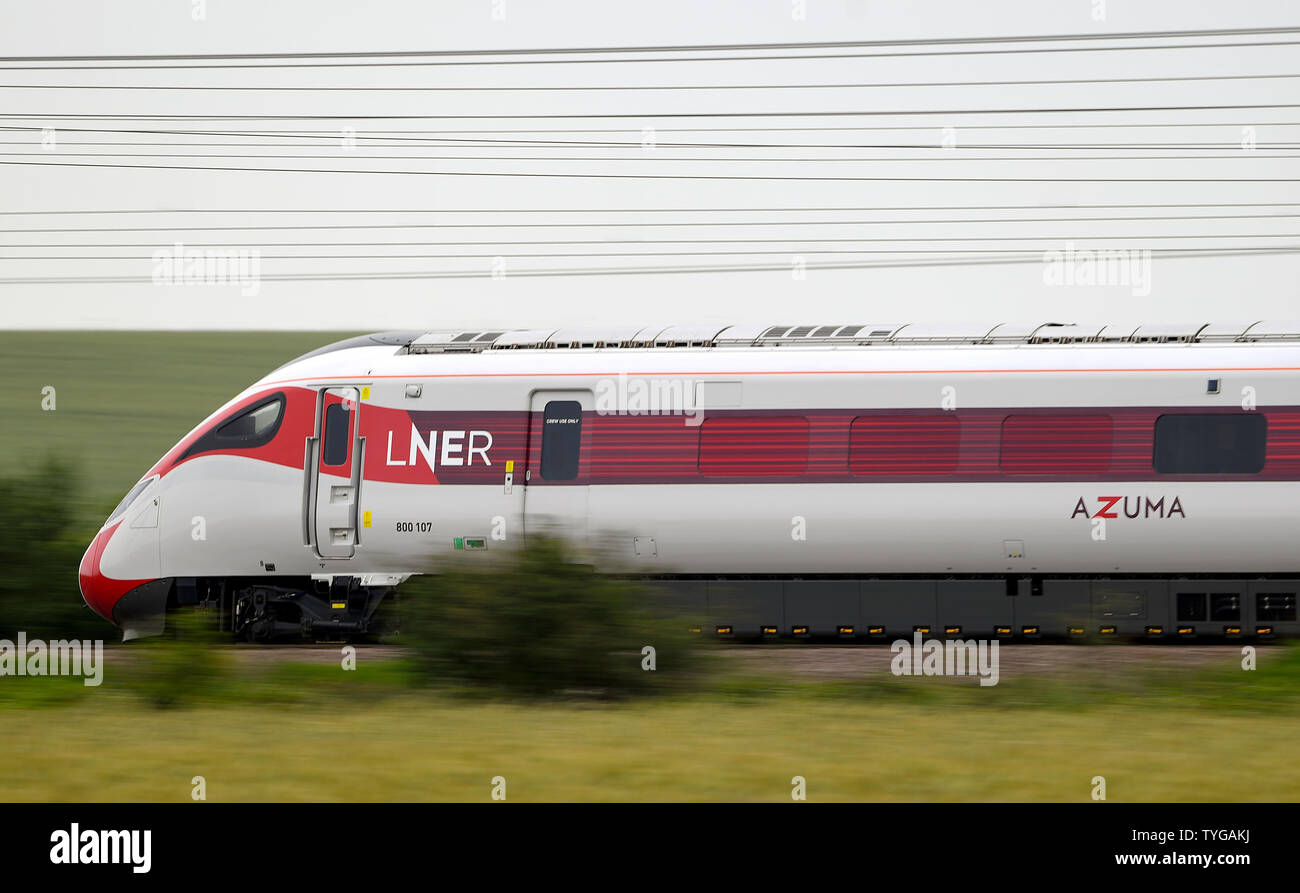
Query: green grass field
x: 125, y: 398
x: 422, y: 749
x: 302, y: 736
x: 286, y: 731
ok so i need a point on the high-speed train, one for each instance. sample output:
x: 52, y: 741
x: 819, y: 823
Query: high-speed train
x: 1049, y: 480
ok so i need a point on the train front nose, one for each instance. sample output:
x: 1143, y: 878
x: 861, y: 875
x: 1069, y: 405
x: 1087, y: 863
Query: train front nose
x: 120, y: 585
x: 119, y: 571
x: 96, y: 591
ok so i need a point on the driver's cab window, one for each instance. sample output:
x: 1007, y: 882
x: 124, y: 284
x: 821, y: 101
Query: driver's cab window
x: 252, y: 424
x: 253, y: 427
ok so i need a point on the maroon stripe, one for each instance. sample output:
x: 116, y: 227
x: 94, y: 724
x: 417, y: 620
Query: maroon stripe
x: 758, y: 446
x: 840, y: 445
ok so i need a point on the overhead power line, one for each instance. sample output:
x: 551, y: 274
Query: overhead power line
x: 799, y: 252
x: 639, y: 224
x: 690, y: 241
x: 410, y: 134
x: 332, y: 142
x: 583, y: 144
x: 996, y: 45
x: 619, y: 176
x: 643, y: 210
x: 389, y: 140
x: 335, y: 154
x: 679, y: 48
x: 645, y: 116
x: 719, y: 252
x: 602, y: 88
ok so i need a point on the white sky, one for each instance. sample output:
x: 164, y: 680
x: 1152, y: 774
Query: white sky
x: 1181, y: 289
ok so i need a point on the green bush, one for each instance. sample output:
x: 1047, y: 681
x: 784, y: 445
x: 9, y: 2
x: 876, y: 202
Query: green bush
x: 537, y: 623
x: 40, y: 552
x: 185, y: 665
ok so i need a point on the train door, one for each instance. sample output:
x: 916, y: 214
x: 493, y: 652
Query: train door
x: 335, y: 479
x: 559, y: 455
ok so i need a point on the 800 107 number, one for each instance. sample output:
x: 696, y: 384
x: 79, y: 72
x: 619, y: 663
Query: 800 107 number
x: 414, y: 526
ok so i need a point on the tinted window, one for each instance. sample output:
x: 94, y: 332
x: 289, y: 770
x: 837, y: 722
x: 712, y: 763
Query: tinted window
x: 1210, y: 443
x: 1063, y: 443
x: 904, y: 444
x: 249, y: 428
x: 561, y: 437
x: 754, y: 445
x: 252, y: 424
x: 338, y: 433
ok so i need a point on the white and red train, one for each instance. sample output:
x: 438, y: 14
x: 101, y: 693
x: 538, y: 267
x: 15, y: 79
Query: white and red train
x: 854, y: 481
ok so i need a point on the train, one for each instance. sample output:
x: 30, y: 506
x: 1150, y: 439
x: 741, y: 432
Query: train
x: 1041, y: 481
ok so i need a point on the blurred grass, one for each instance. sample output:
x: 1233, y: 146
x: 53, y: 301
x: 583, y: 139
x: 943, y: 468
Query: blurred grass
x: 701, y: 749
x: 1225, y: 691
x: 260, y: 678
x: 296, y: 731
x: 125, y: 398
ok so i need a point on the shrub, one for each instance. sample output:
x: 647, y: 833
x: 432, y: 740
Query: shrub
x: 538, y: 623
x: 185, y: 665
x: 40, y: 552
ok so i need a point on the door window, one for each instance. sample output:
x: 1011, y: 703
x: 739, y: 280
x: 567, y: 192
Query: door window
x: 338, y: 433
x: 561, y: 438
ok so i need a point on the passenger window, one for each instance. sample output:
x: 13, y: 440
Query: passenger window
x: 338, y: 433
x: 1203, y: 443
x: 1062, y: 443
x: 561, y: 438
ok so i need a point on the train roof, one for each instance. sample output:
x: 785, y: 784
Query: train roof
x: 899, y: 334
x: 897, y: 344
x: 631, y: 337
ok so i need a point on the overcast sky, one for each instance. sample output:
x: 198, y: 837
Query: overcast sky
x: 1205, y: 288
